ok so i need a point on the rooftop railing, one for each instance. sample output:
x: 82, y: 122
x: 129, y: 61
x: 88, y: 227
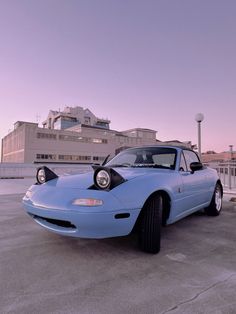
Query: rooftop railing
x: 226, y: 171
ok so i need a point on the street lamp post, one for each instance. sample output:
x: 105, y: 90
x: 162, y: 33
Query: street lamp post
x: 230, y: 165
x: 199, y: 118
x: 231, y: 152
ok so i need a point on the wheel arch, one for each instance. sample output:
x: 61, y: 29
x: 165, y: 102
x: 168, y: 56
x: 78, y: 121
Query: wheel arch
x: 221, y: 186
x: 166, y: 206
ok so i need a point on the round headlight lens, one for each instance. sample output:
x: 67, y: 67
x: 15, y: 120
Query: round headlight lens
x: 41, y: 176
x: 103, y: 179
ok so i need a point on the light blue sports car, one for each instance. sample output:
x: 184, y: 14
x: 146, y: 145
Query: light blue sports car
x: 141, y: 188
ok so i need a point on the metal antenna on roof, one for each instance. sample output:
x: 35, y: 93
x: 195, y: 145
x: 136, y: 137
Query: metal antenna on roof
x: 38, y: 118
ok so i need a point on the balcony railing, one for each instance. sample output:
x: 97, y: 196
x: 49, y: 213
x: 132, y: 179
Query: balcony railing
x: 227, y: 173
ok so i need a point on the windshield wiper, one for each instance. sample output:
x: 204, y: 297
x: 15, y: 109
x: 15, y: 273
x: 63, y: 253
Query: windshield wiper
x: 127, y: 165
x: 105, y: 160
x: 151, y: 166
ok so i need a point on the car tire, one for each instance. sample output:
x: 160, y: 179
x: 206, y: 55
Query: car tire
x: 215, y: 206
x: 150, y: 228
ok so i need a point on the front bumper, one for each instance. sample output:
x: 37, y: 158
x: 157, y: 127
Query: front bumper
x: 111, y: 219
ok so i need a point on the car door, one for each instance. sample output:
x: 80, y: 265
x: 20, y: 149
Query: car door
x: 194, y: 190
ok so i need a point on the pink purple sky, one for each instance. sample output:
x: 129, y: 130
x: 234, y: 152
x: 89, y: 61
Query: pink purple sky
x: 151, y: 64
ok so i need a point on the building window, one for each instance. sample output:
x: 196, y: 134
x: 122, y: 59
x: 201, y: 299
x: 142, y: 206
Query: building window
x: 133, y: 133
x: 98, y: 158
x: 74, y: 158
x: 46, y: 156
x: 74, y: 138
x: 87, y: 120
x: 47, y: 136
x: 81, y: 139
x: 99, y: 140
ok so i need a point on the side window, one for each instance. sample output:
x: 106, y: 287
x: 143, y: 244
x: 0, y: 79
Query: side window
x: 182, y: 166
x: 166, y: 160
x: 190, y: 156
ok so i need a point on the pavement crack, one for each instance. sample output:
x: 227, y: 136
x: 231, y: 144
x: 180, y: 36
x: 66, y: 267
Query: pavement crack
x: 198, y: 294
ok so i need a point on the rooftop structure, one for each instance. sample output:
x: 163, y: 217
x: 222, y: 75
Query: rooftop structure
x: 73, y: 116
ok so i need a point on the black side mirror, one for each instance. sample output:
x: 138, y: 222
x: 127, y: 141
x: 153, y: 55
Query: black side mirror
x: 195, y: 166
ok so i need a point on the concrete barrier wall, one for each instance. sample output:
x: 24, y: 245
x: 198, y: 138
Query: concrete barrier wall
x: 21, y: 170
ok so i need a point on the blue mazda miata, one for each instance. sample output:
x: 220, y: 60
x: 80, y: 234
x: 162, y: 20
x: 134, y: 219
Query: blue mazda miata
x: 141, y: 188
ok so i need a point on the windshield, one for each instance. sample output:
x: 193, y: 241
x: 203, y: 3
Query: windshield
x: 155, y: 157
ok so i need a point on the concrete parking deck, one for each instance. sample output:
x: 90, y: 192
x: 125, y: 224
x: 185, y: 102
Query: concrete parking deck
x: 15, y: 186
x: 41, y: 272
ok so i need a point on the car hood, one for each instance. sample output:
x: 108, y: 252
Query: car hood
x: 85, y: 180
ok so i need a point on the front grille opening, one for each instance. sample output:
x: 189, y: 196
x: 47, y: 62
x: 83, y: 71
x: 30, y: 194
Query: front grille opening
x: 60, y: 223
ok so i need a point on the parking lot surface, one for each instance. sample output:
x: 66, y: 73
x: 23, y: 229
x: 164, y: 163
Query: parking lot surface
x: 41, y: 272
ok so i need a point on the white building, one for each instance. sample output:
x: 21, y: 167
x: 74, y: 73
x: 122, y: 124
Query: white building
x: 73, y: 116
x: 74, y: 135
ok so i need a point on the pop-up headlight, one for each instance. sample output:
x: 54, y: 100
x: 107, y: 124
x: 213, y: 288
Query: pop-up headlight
x: 103, y: 179
x: 106, y: 178
x: 44, y: 174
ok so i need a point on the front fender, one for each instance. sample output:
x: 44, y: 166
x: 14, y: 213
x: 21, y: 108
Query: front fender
x: 134, y: 193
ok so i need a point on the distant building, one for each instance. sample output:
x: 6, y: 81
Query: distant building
x: 218, y: 157
x: 74, y: 135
